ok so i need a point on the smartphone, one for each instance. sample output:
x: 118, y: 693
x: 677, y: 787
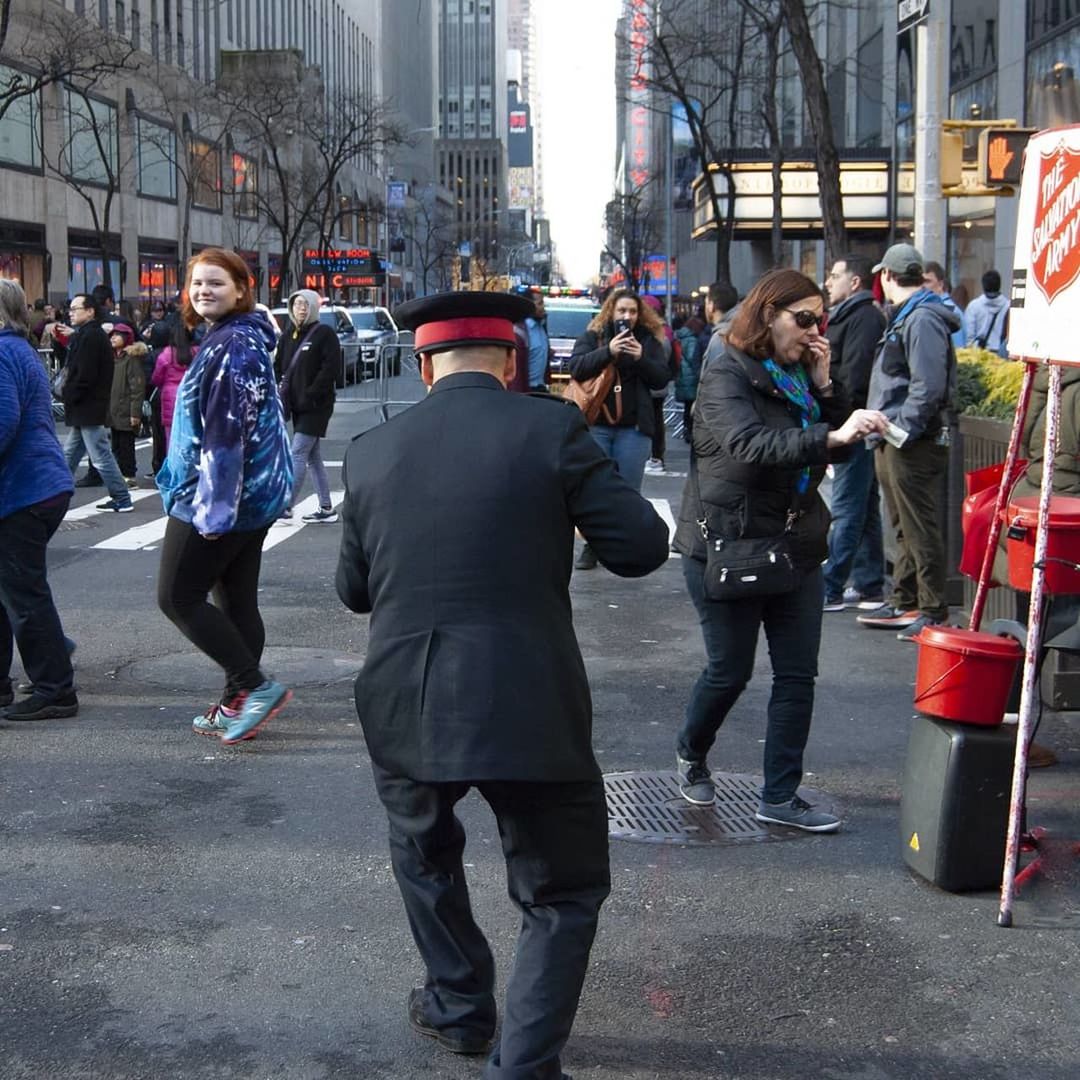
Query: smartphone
x: 622, y: 325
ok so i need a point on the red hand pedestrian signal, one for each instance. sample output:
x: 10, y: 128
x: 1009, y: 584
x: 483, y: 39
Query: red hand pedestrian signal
x: 998, y: 157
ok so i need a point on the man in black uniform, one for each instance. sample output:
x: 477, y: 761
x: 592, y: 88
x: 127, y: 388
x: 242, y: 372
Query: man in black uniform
x: 459, y: 520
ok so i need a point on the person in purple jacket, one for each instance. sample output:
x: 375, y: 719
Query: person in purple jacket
x: 35, y: 489
x: 227, y: 477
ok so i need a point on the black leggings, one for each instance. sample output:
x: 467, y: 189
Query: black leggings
x: 230, y: 631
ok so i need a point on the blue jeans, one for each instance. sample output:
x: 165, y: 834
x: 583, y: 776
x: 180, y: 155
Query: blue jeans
x: 629, y: 449
x: 792, y: 624
x: 28, y: 614
x: 94, y: 443
x: 305, y: 453
x: 856, y: 548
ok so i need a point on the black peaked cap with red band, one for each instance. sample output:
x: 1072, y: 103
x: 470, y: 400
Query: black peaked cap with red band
x: 456, y: 320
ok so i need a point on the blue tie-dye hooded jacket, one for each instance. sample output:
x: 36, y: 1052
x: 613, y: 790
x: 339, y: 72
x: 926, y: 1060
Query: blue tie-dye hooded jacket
x: 229, y: 467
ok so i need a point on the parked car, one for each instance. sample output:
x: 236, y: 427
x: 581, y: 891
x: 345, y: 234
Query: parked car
x: 567, y: 320
x: 336, y: 317
x: 374, y: 327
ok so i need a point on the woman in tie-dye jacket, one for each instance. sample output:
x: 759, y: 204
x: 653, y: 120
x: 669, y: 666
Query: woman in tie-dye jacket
x: 227, y: 478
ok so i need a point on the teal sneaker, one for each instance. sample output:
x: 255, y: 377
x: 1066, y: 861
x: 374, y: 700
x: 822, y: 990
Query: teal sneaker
x: 259, y: 705
x: 215, y: 721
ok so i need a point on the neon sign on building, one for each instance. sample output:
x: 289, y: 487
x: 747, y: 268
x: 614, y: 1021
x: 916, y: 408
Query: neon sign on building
x: 638, y: 150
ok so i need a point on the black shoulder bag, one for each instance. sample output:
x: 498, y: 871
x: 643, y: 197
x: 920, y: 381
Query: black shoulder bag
x: 746, y: 566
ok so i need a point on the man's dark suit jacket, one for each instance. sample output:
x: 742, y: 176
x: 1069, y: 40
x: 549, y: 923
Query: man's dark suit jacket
x: 458, y: 537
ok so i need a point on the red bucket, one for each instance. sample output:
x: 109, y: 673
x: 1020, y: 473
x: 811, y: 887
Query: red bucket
x: 1062, y: 542
x: 964, y: 675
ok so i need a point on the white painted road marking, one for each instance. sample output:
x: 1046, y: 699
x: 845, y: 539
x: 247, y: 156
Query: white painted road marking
x: 136, y: 539
x: 283, y: 530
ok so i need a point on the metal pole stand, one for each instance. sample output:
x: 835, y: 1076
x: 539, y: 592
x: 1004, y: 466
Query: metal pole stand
x: 1028, y: 702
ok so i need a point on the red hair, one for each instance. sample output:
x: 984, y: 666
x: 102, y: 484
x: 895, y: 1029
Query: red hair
x: 234, y: 266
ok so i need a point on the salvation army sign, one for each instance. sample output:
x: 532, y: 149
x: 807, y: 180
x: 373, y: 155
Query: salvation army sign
x: 1046, y: 264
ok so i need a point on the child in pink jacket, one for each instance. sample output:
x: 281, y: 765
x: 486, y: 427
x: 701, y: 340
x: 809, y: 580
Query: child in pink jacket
x: 169, y: 369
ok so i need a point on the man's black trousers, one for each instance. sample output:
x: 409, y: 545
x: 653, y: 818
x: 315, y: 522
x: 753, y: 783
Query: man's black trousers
x: 554, y: 839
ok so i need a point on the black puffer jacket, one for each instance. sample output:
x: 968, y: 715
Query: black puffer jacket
x: 637, y: 377
x: 89, y: 377
x: 749, y: 449
x: 311, y: 384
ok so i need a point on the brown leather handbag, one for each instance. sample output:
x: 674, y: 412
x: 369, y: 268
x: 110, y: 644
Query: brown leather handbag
x: 590, y: 395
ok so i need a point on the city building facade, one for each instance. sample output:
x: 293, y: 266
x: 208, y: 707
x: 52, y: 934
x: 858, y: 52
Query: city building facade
x: 472, y: 120
x: 1005, y: 60
x: 139, y: 148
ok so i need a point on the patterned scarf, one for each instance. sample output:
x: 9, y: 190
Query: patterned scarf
x: 794, y: 385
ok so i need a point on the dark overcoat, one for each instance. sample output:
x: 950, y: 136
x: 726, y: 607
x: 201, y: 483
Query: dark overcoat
x: 458, y: 537
x: 89, y: 379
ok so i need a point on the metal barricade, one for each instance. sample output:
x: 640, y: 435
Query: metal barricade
x: 673, y: 414
x: 399, y: 378
x: 52, y: 366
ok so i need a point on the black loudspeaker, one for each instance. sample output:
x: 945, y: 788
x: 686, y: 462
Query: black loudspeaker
x: 954, y: 808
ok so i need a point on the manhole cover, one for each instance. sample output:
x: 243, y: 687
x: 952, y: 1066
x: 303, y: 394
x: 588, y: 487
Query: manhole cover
x: 647, y: 807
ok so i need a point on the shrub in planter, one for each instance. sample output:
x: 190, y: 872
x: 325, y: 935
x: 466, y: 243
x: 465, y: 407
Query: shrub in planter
x: 986, y: 384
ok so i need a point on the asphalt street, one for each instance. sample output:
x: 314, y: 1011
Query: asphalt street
x: 170, y: 908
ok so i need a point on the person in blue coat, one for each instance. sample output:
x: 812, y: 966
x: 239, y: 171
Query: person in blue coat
x: 35, y: 489
x: 227, y: 478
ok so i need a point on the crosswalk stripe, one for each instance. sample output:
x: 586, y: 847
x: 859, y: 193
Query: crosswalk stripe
x: 663, y: 508
x: 283, y: 530
x: 80, y: 513
x: 141, y: 536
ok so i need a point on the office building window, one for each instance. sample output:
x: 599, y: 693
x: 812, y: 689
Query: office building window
x: 245, y: 186
x: 20, y: 128
x: 205, y: 175
x: 157, y: 160
x: 90, y: 139
x: 1053, y: 92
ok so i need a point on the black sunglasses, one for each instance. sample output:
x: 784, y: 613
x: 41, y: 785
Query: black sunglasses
x: 805, y: 319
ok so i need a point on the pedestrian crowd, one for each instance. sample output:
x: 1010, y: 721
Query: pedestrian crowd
x: 456, y: 689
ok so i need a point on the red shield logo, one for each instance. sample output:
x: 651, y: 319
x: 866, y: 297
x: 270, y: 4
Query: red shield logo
x: 1055, y: 239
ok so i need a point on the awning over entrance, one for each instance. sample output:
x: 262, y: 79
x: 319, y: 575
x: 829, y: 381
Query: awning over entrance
x: 864, y: 187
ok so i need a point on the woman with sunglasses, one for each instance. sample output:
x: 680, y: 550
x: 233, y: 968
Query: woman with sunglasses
x: 767, y: 420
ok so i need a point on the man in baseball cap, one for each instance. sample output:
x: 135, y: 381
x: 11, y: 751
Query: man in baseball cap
x: 913, y: 382
x: 901, y: 259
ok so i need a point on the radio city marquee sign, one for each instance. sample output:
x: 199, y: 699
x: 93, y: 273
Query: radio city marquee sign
x: 342, y: 268
x: 864, y: 189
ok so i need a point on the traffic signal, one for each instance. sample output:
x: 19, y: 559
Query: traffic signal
x: 1001, y: 155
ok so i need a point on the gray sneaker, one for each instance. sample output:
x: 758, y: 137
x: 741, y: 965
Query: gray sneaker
x: 799, y: 814
x: 695, y: 782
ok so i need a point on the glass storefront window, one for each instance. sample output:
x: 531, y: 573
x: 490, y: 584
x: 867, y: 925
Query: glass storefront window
x: 245, y: 186
x: 86, y: 271
x: 1053, y: 92
x: 20, y: 128
x: 157, y: 279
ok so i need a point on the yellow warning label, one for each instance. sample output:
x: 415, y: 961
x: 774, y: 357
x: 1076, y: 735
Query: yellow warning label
x: 913, y: 843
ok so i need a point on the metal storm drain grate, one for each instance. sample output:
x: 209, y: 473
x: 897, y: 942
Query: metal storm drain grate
x: 647, y: 807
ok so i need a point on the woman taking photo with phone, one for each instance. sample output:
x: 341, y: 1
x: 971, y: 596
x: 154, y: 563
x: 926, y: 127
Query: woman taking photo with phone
x: 227, y: 478
x: 627, y: 333
x: 767, y: 420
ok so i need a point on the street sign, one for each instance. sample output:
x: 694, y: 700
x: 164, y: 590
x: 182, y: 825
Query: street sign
x: 1046, y: 265
x: 1001, y: 155
x: 910, y: 13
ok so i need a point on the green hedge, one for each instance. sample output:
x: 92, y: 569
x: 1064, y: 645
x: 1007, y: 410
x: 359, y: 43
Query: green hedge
x: 987, y: 384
